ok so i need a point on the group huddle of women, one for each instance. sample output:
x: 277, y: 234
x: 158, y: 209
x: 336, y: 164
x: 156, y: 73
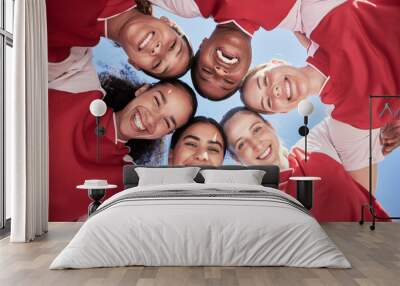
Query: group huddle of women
x: 353, y: 52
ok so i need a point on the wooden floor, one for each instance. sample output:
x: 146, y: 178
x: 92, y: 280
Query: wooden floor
x: 374, y: 255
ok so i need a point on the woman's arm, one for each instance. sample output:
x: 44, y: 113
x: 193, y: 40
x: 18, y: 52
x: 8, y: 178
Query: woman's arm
x: 361, y: 176
x: 304, y: 41
x: 348, y: 146
x: 390, y: 139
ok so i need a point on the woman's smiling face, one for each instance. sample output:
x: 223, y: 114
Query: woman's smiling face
x: 154, y: 112
x: 251, y: 139
x: 153, y: 45
x: 200, y: 144
x: 223, y: 61
x: 275, y: 88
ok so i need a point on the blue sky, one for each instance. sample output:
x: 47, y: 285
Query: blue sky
x: 266, y: 45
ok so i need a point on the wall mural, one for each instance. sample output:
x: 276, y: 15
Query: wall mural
x: 212, y: 82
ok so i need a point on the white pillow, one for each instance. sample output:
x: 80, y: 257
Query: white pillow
x: 248, y: 177
x: 163, y: 176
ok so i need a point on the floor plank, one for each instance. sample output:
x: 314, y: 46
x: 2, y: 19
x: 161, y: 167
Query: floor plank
x: 374, y: 255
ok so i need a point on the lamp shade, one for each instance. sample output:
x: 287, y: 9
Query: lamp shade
x: 305, y: 107
x: 98, y: 107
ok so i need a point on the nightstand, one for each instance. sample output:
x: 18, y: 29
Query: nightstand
x: 96, y: 192
x: 305, y: 190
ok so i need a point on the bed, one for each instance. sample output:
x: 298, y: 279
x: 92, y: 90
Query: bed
x: 201, y: 224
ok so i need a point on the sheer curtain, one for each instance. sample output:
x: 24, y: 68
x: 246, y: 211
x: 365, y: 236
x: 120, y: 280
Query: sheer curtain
x: 26, y: 124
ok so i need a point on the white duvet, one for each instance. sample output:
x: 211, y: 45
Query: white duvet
x: 183, y: 231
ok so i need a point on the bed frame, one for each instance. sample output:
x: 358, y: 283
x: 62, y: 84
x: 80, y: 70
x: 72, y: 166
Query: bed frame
x: 270, y: 179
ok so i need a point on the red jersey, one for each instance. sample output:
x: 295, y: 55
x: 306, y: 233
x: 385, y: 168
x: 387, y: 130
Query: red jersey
x: 77, y: 23
x: 248, y: 15
x: 360, y: 59
x: 72, y: 152
x: 337, y: 196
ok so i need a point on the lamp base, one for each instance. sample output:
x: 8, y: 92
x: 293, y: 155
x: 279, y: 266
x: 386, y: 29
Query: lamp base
x: 305, y: 190
x: 305, y: 193
x: 95, y: 195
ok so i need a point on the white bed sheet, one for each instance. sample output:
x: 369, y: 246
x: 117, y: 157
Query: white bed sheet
x: 200, y: 231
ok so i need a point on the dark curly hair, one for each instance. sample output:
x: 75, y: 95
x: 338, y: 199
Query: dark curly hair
x: 178, y: 132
